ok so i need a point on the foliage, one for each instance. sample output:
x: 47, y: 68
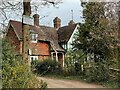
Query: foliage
x: 92, y: 38
x: 98, y: 72
x: 35, y: 83
x: 46, y: 66
x: 43, y: 84
x: 16, y: 74
x: 93, y: 41
x: 73, y: 63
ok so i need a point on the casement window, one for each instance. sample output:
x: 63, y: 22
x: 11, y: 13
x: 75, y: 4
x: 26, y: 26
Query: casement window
x: 32, y: 58
x: 34, y: 37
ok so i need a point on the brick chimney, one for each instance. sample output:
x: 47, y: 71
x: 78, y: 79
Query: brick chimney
x: 57, y: 22
x: 36, y: 19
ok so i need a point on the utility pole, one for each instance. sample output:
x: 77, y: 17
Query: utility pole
x: 25, y: 30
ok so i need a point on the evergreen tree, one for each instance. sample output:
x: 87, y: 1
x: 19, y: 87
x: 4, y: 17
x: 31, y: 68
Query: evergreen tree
x: 92, y: 36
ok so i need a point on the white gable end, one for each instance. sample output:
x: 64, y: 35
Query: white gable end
x: 72, y: 37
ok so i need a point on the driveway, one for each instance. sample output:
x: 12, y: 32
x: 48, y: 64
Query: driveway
x: 60, y: 83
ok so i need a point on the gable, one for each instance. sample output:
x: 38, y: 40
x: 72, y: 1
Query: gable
x: 11, y: 34
x: 64, y: 33
x: 13, y: 39
x: 70, y: 41
x: 73, y: 34
x: 17, y: 27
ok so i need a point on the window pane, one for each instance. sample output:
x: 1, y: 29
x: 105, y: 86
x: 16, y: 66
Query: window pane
x: 34, y: 37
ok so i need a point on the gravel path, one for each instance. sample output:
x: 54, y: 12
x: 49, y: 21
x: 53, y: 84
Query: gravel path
x: 59, y: 83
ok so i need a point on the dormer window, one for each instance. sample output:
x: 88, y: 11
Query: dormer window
x: 34, y: 37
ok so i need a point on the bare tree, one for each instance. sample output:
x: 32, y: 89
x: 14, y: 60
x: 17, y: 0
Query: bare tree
x: 14, y: 8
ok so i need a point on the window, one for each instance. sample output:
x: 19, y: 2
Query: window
x: 64, y: 45
x: 29, y: 51
x: 32, y: 58
x: 34, y: 37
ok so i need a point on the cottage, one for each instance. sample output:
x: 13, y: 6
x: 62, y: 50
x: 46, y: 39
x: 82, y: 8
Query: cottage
x: 44, y: 41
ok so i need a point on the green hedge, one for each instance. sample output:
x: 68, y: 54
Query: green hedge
x: 46, y: 66
x: 98, y: 72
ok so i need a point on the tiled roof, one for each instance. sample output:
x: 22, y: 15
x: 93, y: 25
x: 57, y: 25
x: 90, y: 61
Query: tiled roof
x: 64, y: 33
x: 45, y: 33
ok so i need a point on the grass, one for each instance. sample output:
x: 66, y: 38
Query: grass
x: 110, y: 84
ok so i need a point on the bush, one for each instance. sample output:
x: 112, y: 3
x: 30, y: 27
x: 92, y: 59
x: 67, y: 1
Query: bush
x: 98, y: 72
x: 69, y: 68
x: 35, y: 83
x: 46, y: 66
x: 72, y: 66
x: 16, y: 74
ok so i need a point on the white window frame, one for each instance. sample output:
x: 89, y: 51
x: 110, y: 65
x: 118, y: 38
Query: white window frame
x: 30, y: 52
x: 34, y: 58
x: 64, y: 45
x: 34, y: 37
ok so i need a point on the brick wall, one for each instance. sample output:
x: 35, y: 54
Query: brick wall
x: 13, y: 40
x: 41, y: 48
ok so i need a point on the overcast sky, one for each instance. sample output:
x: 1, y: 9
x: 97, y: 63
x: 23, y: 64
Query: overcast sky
x: 63, y: 12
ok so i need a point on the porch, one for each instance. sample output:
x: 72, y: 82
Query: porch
x: 59, y: 57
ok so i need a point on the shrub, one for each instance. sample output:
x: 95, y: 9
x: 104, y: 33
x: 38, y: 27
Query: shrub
x: 69, y: 68
x: 98, y: 72
x: 33, y: 82
x: 46, y: 66
x: 72, y: 66
x: 16, y: 74
x: 70, y: 71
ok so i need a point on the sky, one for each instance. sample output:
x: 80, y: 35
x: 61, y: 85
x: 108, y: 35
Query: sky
x: 63, y: 12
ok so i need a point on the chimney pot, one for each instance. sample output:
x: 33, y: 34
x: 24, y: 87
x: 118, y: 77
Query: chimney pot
x: 36, y: 19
